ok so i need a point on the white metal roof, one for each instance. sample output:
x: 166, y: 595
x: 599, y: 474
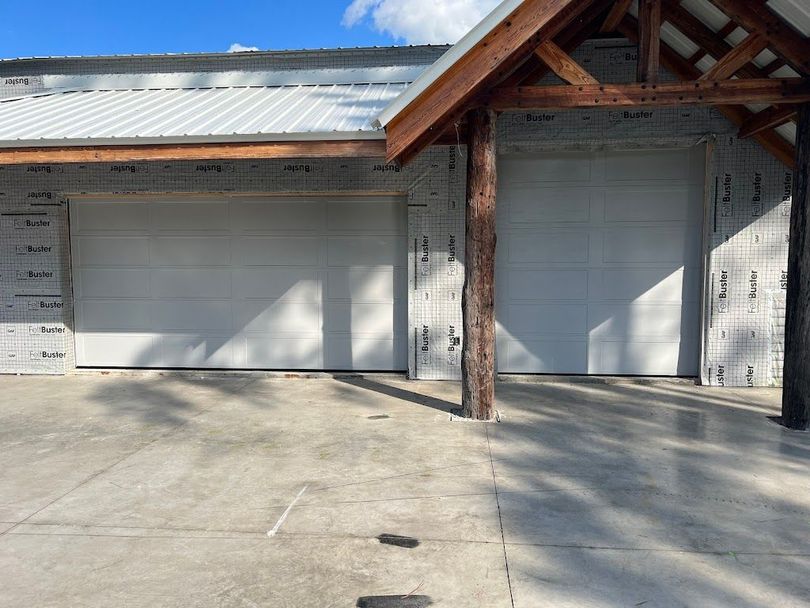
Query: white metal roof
x: 178, y: 108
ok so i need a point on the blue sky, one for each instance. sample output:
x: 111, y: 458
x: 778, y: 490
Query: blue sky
x: 93, y: 27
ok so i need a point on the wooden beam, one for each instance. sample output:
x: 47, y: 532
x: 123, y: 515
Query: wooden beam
x: 478, y: 299
x: 796, y: 380
x: 615, y: 16
x: 756, y: 17
x: 371, y: 148
x: 710, y: 42
x: 774, y: 143
x: 570, y: 39
x: 767, y: 119
x: 649, y: 48
x: 562, y: 65
x: 742, y: 54
x: 489, y: 62
x: 740, y: 91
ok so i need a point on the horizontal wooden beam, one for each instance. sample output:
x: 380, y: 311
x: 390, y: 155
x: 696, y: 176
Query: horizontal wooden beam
x: 741, y: 91
x: 372, y: 148
x: 767, y: 119
x: 563, y: 65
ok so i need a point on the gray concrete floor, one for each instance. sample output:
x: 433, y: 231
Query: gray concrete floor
x: 160, y: 491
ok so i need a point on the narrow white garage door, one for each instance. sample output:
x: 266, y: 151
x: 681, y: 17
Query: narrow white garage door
x: 241, y: 282
x: 599, y: 262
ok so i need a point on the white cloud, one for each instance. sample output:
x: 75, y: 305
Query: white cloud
x: 420, y: 21
x: 241, y: 48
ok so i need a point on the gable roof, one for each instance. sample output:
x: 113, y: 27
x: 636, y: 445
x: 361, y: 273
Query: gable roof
x: 694, y: 40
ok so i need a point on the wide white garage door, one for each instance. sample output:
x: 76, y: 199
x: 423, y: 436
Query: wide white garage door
x: 241, y: 282
x: 599, y: 262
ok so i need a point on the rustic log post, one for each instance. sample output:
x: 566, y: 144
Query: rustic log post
x: 796, y: 393
x: 478, y: 300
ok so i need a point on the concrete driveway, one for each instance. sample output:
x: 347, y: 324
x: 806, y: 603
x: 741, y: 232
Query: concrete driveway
x: 161, y: 491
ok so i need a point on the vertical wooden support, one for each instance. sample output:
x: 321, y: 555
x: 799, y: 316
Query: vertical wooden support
x: 796, y: 394
x: 649, y: 44
x: 478, y: 300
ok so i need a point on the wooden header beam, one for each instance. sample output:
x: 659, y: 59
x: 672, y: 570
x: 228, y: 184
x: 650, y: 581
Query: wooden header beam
x: 372, y: 148
x: 722, y: 92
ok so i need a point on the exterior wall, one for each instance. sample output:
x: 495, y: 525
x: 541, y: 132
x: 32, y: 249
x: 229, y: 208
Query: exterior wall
x: 747, y: 219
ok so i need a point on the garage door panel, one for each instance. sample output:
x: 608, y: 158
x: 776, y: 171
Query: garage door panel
x: 359, y: 317
x: 365, y: 284
x: 365, y: 353
x: 649, y: 205
x: 105, y: 251
x: 663, y: 285
x: 662, y: 165
x: 543, y: 356
x: 283, y: 352
x: 529, y: 204
x: 377, y: 215
x: 277, y: 214
x: 191, y: 283
x: 560, y: 167
x: 189, y: 215
x: 175, y: 315
x: 197, y: 351
x: 621, y: 320
x: 547, y: 284
x: 190, y: 251
x: 648, y: 358
x: 289, y: 284
x: 548, y: 247
x: 652, y: 245
x: 118, y: 350
x: 277, y: 251
x: 221, y: 283
x: 275, y: 316
x: 103, y: 216
x: 360, y: 250
x: 562, y: 318
x: 112, y: 283
x: 113, y: 315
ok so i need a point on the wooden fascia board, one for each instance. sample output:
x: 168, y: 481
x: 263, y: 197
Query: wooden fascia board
x: 718, y: 92
x: 489, y: 62
x: 374, y: 148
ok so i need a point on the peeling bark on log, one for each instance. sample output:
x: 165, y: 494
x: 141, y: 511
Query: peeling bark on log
x: 478, y: 301
x: 796, y: 394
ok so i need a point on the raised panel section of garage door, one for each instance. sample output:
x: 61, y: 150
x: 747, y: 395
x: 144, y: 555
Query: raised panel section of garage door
x: 241, y: 282
x: 598, y: 262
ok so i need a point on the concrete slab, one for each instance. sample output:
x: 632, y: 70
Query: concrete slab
x: 284, y: 572
x: 569, y: 577
x: 159, y: 491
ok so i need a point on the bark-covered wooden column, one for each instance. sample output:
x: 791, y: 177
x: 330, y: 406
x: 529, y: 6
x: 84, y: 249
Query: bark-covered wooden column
x: 478, y: 300
x: 796, y: 394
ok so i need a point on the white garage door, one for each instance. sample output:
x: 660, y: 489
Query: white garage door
x: 241, y: 282
x: 599, y: 262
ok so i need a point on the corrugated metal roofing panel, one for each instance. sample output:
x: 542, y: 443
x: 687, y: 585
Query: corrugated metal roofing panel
x: 179, y: 114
